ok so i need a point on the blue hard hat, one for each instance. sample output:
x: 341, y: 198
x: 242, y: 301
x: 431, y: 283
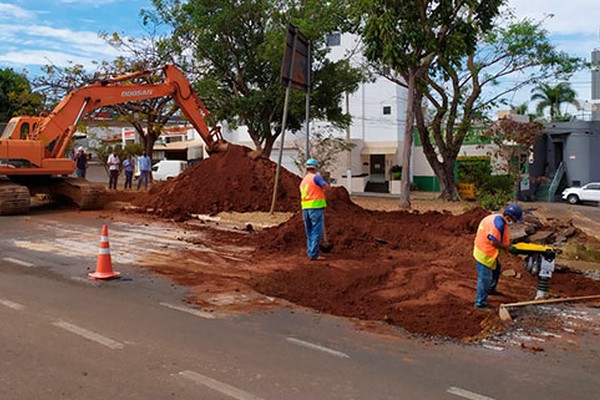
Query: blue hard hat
x: 311, y: 162
x: 514, y: 211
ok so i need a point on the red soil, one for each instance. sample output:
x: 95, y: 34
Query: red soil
x: 228, y: 181
x: 412, y: 270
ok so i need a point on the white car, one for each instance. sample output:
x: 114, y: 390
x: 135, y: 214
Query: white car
x: 589, y: 192
x: 165, y: 170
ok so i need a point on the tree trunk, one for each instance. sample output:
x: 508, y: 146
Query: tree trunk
x: 408, y: 141
x: 268, y: 146
x: 447, y: 181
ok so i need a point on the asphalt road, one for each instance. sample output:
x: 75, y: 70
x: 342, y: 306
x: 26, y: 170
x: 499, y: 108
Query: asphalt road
x: 66, y: 337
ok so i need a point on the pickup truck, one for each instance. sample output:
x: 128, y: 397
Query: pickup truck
x: 589, y: 192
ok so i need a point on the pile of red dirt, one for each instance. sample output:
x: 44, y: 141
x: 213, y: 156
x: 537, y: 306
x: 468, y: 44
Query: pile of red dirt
x: 358, y: 233
x: 413, y: 270
x: 234, y: 180
x: 407, y: 269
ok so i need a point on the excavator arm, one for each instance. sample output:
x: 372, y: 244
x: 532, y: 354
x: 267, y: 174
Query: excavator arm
x: 56, y: 130
x: 32, y: 149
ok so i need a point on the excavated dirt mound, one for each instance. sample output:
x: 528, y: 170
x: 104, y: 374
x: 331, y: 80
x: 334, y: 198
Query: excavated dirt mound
x: 411, y: 270
x: 408, y: 269
x: 235, y: 180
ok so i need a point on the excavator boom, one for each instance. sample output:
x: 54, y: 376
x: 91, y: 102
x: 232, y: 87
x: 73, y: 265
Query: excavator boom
x: 36, y: 146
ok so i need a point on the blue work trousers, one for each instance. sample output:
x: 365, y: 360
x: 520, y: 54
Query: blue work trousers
x: 487, y: 280
x: 143, y: 177
x: 313, y: 225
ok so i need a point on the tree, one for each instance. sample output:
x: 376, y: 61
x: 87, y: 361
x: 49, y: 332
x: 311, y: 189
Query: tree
x: 16, y: 96
x: 236, y: 46
x: 148, y: 117
x: 498, y: 58
x: 514, y: 143
x: 517, y: 53
x: 325, y: 148
x: 553, y: 97
x: 414, y: 39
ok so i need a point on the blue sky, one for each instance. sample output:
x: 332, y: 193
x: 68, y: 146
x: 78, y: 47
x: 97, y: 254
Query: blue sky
x: 35, y: 33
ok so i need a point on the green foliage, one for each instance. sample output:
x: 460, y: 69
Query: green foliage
x: 474, y: 170
x: 16, y: 96
x: 494, y: 191
x: 552, y: 97
x: 396, y: 172
x: 237, y: 47
x: 133, y: 149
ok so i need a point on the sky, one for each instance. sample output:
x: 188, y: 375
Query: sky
x: 34, y: 33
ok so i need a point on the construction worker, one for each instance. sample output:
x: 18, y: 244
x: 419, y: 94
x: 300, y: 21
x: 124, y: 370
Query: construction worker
x: 492, y: 235
x: 313, y: 206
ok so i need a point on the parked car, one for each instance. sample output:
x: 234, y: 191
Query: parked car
x: 166, y: 169
x: 589, y: 192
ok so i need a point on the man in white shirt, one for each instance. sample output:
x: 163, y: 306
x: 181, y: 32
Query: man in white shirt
x: 114, y: 164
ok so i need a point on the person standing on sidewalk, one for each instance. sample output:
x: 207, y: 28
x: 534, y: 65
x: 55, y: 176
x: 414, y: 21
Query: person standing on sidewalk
x: 313, y: 207
x: 128, y: 167
x: 81, y: 163
x: 144, y: 164
x: 492, y: 235
x: 114, y: 164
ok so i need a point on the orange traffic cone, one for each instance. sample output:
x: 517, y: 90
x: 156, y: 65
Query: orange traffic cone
x: 104, y: 269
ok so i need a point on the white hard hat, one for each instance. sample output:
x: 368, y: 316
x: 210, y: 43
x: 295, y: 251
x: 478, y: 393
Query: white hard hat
x: 80, y: 148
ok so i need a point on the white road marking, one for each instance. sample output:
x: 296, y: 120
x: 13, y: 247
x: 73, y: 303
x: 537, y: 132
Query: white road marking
x: 93, y: 336
x: 11, y: 304
x: 220, y: 387
x: 466, y: 394
x: 492, y: 347
x: 193, y: 311
x: 85, y: 280
x: 19, y: 262
x: 317, y: 347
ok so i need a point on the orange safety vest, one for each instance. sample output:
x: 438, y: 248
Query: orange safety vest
x: 483, y: 250
x: 312, y: 195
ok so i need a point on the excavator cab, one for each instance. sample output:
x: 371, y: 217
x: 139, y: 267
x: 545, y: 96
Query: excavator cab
x: 19, y: 128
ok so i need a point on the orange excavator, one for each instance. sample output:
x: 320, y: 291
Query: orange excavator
x: 32, y: 149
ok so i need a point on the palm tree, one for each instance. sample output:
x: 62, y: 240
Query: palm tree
x: 520, y: 109
x: 553, y: 97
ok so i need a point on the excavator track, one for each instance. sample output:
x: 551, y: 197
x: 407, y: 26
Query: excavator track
x: 14, y: 198
x: 86, y: 195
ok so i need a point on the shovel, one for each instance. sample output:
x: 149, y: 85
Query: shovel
x: 325, y: 244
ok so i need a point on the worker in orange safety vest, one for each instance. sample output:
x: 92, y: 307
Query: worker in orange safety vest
x: 313, y: 207
x: 492, y: 235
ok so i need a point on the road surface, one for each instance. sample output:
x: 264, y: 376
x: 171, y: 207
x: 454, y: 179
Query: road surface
x: 66, y: 337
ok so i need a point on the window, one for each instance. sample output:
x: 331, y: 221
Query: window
x: 387, y: 110
x: 334, y: 39
x: 24, y: 131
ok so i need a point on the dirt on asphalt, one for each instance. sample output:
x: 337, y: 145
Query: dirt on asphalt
x: 412, y: 270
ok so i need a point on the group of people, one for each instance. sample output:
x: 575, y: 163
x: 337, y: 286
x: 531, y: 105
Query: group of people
x: 115, y: 166
x: 492, y: 235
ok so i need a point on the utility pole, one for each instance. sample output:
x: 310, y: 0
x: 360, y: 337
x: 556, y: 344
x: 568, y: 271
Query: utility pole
x: 349, y: 152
